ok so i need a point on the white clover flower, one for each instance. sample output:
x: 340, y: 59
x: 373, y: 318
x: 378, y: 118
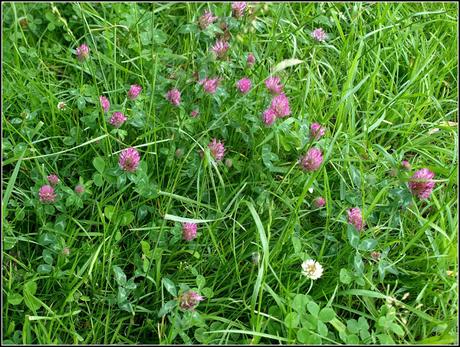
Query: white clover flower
x: 61, y: 105
x: 312, y: 269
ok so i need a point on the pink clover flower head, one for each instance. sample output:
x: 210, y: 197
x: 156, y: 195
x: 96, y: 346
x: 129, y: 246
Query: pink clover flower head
x: 117, y: 119
x: 273, y: 84
x: 82, y: 52
x: 210, y: 85
x: 195, y: 113
x: 104, y: 103
x: 220, y: 48
x: 129, y: 159
x: 405, y: 165
x: 217, y: 149
x: 206, y: 19
x: 269, y: 117
x: 319, y: 202
x: 421, y: 183
x: 79, y: 189
x: 355, y: 218
x: 317, y: 131
x: 189, y: 300
x: 189, y: 231
x: 280, y: 104
x: 319, y: 35
x: 53, y: 179
x: 251, y: 60
x: 173, y: 96
x: 312, y: 160
x: 134, y: 91
x: 46, y: 194
x: 238, y: 8
x: 244, y: 85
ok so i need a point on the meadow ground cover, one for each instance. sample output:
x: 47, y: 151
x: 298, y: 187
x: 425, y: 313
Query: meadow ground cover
x: 229, y: 173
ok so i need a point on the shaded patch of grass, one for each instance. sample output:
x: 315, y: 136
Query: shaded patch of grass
x: 383, y: 85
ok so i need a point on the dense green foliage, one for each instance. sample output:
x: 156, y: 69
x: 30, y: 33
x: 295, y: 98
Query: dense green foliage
x: 106, y: 266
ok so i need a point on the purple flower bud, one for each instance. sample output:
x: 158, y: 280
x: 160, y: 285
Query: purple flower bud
x: 79, y: 189
x: 405, y: 165
x: 189, y: 231
x: 355, y: 218
x: 269, y: 117
x: 206, y: 19
x: 104, y: 103
x: 238, y: 9
x: 319, y: 202
x: 251, y: 60
x: 220, y: 48
x: 173, y: 96
x: 273, y: 85
x: 210, y: 85
x: 317, y: 131
x: 134, y: 91
x: 217, y: 149
x: 82, y: 52
x: 53, y: 179
x: 195, y: 113
x: 117, y: 119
